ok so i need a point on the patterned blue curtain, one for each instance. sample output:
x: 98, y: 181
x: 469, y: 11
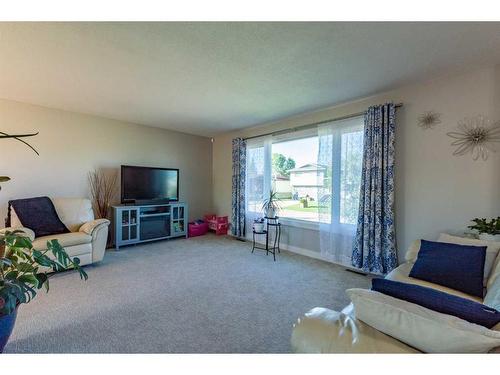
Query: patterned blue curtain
x: 238, y: 202
x: 375, y: 243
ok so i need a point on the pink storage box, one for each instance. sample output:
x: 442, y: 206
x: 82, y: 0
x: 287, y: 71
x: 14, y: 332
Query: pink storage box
x: 197, y: 229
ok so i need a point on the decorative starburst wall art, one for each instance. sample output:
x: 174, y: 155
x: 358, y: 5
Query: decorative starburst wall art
x: 429, y: 119
x: 477, y: 136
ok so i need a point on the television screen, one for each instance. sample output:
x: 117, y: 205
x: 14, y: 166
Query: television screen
x: 149, y: 184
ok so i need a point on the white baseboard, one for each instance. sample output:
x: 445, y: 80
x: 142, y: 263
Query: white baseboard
x: 297, y: 250
x: 307, y: 253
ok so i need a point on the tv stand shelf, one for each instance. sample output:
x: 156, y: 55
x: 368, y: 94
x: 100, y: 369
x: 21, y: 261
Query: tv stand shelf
x: 142, y: 223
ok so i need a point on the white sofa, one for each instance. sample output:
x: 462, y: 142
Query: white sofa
x: 87, y: 238
x: 326, y: 331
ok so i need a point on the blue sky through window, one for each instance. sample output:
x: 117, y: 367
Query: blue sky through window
x: 303, y: 151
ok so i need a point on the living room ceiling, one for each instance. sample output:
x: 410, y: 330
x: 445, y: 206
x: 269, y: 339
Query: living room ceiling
x: 207, y: 78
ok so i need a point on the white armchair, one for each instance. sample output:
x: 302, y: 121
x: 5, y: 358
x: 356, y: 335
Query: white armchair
x: 87, y: 238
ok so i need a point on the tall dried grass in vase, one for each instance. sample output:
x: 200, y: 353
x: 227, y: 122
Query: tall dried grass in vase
x: 102, y: 191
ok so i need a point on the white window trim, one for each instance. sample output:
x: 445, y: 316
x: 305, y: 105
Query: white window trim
x: 267, y: 143
x: 298, y: 223
x: 308, y: 224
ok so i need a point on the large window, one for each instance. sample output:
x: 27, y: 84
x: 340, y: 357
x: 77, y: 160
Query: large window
x: 315, y: 173
x: 296, y: 177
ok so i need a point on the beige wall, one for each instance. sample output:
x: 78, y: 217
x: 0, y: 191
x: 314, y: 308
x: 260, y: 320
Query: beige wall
x: 72, y: 144
x: 435, y: 191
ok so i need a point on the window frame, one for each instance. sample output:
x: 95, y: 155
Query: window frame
x: 337, y: 169
x: 339, y: 128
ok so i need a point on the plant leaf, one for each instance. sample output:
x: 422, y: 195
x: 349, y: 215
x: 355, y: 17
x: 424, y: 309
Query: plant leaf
x: 42, y: 280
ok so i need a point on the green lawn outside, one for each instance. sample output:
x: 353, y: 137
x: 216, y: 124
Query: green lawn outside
x: 312, y: 207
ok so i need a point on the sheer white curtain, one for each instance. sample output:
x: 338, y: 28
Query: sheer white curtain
x: 340, y: 154
x: 339, y: 148
x: 258, y: 178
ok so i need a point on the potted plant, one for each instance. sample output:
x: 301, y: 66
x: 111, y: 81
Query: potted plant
x: 489, y: 230
x: 271, y: 205
x: 304, y: 202
x: 22, y: 268
x: 23, y: 273
x: 258, y: 225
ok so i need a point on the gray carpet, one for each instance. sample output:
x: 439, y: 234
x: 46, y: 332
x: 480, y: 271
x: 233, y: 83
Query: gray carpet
x: 203, y: 295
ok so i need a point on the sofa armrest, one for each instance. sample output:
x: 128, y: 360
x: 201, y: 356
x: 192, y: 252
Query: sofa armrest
x: 326, y: 331
x: 28, y: 232
x: 91, y: 226
x: 98, y: 229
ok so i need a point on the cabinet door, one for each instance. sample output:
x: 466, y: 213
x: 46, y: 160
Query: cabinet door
x: 129, y: 225
x: 124, y: 225
x: 125, y: 217
x: 178, y: 220
x: 134, y: 224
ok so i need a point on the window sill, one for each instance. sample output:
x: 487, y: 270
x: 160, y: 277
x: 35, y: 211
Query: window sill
x: 311, y: 225
x: 297, y: 223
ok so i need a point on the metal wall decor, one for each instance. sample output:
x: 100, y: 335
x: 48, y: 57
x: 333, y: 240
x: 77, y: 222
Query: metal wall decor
x: 477, y: 136
x: 429, y: 119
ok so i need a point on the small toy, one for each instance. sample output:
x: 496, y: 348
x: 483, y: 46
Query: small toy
x: 219, y: 224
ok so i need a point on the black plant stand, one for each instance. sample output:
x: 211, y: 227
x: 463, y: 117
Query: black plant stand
x: 270, y: 222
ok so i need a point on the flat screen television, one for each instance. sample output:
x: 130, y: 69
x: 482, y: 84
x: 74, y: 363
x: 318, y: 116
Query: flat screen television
x: 149, y: 185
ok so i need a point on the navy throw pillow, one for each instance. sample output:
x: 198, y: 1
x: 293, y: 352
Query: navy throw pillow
x: 459, y: 267
x: 39, y: 215
x: 442, y: 302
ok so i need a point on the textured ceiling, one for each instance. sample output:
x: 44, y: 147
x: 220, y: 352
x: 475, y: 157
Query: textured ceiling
x: 206, y: 78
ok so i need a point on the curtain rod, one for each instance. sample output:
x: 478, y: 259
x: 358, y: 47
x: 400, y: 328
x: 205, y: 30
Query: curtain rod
x: 312, y: 125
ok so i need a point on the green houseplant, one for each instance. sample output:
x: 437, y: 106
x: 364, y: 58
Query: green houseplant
x: 23, y: 273
x: 488, y: 230
x: 271, y: 205
x: 23, y: 268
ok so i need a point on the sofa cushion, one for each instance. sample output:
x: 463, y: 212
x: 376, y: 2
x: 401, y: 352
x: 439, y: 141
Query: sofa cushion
x: 492, y: 251
x: 39, y: 215
x: 402, y: 272
x: 495, y: 273
x: 492, y: 297
x: 459, y: 267
x: 462, y: 308
x: 74, y: 212
x: 412, y: 252
x: 422, y: 328
x: 66, y: 240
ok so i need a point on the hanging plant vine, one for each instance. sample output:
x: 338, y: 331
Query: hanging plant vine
x: 17, y: 137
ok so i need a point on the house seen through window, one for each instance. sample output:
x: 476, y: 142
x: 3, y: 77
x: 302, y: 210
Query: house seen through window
x: 296, y: 177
